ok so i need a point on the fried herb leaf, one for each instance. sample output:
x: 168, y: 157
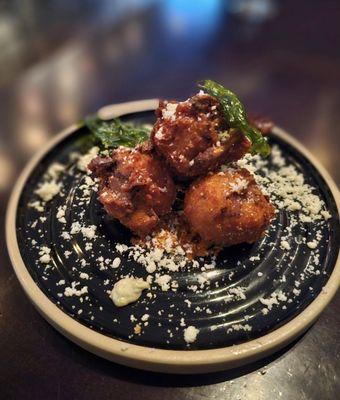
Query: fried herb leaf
x: 236, y: 116
x: 115, y: 133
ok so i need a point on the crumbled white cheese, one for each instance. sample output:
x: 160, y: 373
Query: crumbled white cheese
x: 127, y: 290
x: 169, y: 112
x: 292, y: 205
x: 326, y: 214
x: 65, y: 235
x: 67, y: 253
x: 159, y: 133
x: 75, y: 227
x: 284, y: 245
x: 239, y: 185
x: 145, y: 317
x: 190, y: 334
x: 153, y: 257
x: 88, y: 246
x: 45, y: 258
x: 36, y: 205
x: 47, y: 190
x: 163, y: 282
x: 239, y: 327
x: 188, y: 302
x: 116, y: 262
x: 274, y: 299
x: 54, y: 170
x: 44, y: 253
x: 312, y: 244
x: 286, y: 186
x: 238, y: 292
x: 121, y: 248
x: 84, y: 160
x: 89, y: 181
x: 61, y: 214
x: 89, y: 231
x: 73, y: 291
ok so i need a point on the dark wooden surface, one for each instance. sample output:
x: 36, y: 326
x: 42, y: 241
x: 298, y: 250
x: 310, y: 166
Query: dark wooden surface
x: 61, y: 60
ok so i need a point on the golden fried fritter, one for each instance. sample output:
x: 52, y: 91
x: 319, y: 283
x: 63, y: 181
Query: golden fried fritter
x: 227, y: 208
x: 193, y: 137
x: 135, y: 187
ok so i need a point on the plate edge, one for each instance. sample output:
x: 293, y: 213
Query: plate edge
x: 173, y: 361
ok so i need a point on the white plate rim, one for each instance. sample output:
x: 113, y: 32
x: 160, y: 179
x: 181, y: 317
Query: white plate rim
x: 160, y: 360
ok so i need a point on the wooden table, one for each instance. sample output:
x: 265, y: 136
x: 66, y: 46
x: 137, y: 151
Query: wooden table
x: 62, y: 60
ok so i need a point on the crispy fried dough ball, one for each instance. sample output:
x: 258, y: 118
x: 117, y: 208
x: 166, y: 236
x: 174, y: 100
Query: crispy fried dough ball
x: 227, y: 208
x: 135, y: 187
x: 191, y: 137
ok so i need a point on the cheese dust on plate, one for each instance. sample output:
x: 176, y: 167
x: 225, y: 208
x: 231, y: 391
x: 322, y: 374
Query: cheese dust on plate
x: 162, y: 259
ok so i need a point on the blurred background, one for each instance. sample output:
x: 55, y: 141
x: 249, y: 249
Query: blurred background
x: 61, y: 60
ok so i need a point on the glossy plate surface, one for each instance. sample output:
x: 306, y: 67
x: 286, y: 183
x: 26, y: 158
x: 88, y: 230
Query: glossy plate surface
x: 223, y: 316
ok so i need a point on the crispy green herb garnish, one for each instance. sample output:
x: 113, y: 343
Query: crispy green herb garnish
x: 236, y: 116
x: 115, y: 133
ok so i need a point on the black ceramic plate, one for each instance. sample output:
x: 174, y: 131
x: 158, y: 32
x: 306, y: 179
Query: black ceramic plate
x: 223, y: 316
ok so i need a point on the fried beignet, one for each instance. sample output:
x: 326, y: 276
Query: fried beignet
x: 227, y: 208
x: 135, y: 187
x: 194, y: 138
